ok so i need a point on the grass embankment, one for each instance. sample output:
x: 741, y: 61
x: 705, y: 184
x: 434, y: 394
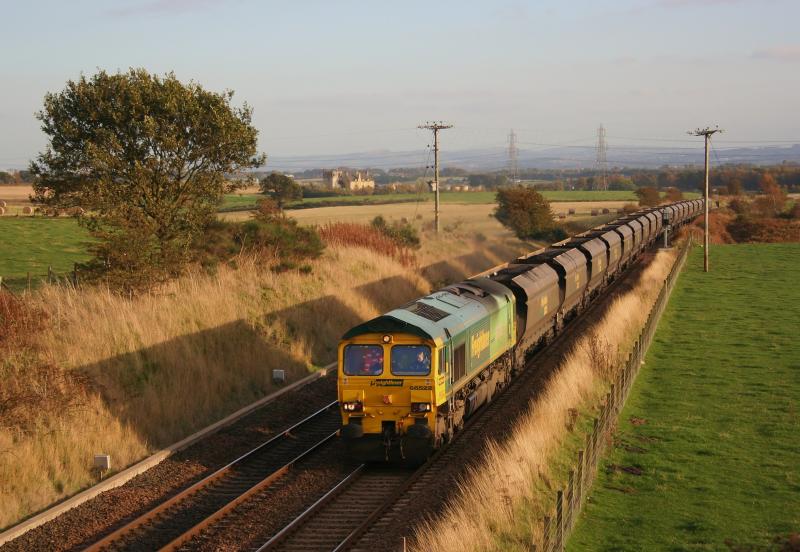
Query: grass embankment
x: 94, y: 372
x: 31, y: 244
x: 502, y: 501
x: 713, y: 419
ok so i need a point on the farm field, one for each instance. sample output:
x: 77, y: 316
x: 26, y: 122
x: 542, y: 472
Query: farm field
x: 16, y: 197
x: 474, y: 213
x: 248, y: 199
x: 705, y: 457
x: 30, y: 244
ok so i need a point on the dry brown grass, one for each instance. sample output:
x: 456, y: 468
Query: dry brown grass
x: 125, y: 377
x: 512, y: 486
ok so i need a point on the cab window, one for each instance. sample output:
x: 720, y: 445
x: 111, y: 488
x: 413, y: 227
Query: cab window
x: 363, y: 360
x: 411, y: 360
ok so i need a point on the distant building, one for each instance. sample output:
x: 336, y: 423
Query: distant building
x: 343, y: 180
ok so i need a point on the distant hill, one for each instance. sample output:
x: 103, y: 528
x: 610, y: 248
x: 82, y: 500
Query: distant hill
x: 559, y: 157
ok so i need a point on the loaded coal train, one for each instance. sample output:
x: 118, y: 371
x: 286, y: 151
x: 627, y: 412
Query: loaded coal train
x: 409, y: 379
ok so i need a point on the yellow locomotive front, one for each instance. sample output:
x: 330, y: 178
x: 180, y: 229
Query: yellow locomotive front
x: 388, y: 396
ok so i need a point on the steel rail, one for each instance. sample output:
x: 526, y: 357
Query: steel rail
x: 178, y: 541
x: 148, y: 516
x: 311, y: 510
x: 358, y: 532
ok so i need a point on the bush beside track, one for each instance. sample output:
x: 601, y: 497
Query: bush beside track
x: 706, y: 453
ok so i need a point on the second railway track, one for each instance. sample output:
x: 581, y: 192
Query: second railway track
x: 328, y: 523
x: 173, y: 522
x: 369, y: 504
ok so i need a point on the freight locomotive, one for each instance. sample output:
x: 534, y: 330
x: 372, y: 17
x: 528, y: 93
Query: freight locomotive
x: 409, y: 379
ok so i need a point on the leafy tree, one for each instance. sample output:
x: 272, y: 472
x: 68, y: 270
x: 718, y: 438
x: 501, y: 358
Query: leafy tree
x: 774, y: 198
x: 488, y: 181
x: 673, y: 194
x: 734, y: 186
x: 644, y: 180
x: 6, y: 178
x: 526, y: 212
x: 619, y: 182
x: 281, y: 188
x: 648, y: 197
x: 146, y: 157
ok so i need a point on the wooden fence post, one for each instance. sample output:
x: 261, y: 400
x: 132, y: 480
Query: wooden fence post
x: 546, y: 527
x: 49, y: 274
x: 560, y: 521
x: 579, y: 480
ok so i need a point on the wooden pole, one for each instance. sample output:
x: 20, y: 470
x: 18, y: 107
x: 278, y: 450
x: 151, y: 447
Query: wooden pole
x: 705, y: 209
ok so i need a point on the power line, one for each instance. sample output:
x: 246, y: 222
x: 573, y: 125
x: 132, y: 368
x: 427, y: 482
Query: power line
x: 512, y: 155
x: 602, y: 161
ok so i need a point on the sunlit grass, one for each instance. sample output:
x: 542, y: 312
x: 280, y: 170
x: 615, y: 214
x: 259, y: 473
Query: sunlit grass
x: 719, y: 399
x: 31, y: 244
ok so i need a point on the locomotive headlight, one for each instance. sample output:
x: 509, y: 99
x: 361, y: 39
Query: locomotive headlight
x: 420, y: 407
x: 354, y: 406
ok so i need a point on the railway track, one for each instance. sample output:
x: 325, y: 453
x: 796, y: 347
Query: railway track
x: 174, y: 522
x: 508, y: 405
x: 371, y: 501
x: 367, y: 502
x: 330, y: 521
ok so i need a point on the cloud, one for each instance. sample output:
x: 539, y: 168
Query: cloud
x: 785, y: 52
x: 162, y: 6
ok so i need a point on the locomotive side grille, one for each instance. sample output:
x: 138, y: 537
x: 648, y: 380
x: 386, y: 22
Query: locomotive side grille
x: 426, y: 311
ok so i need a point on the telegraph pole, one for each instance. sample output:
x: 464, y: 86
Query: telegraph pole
x: 436, y: 127
x: 706, y: 133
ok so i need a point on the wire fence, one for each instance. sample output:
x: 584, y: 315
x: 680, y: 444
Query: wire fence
x: 17, y: 284
x: 556, y: 527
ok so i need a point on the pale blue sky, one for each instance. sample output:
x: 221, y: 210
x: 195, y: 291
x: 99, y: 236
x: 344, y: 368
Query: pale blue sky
x: 329, y: 77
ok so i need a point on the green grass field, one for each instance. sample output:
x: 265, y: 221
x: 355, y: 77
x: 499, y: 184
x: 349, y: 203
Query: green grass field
x: 30, y: 244
x: 245, y: 201
x: 714, y: 417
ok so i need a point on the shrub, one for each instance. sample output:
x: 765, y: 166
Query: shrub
x: 400, y: 232
x: 526, y: 212
x: 739, y: 206
x: 18, y: 320
x: 648, y: 196
x: 277, y: 240
x: 673, y: 194
x: 367, y: 236
x: 280, y: 237
x: 764, y: 230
